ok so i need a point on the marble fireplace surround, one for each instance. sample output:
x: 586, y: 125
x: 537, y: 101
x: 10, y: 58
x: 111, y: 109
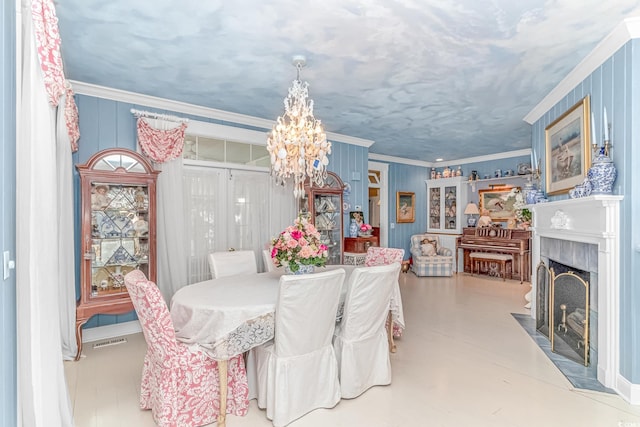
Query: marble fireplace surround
x: 592, y: 220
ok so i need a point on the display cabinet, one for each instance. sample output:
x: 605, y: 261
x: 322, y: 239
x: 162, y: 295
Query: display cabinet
x: 323, y: 205
x: 118, y: 231
x: 446, y: 200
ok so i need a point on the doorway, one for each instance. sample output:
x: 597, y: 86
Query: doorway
x: 379, y: 199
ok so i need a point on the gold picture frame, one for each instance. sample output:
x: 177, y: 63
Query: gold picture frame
x: 405, y: 206
x: 567, y: 148
x: 496, y: 200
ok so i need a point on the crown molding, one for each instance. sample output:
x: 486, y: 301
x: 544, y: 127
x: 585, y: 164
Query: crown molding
x: 195, y: 110
x: 465, y: 161
x: 627, y: 30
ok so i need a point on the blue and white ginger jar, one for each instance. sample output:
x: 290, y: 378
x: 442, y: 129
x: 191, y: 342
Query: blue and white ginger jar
x: 602, y: 174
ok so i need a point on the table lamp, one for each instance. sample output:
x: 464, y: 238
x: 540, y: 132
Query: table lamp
x: 471, y: 210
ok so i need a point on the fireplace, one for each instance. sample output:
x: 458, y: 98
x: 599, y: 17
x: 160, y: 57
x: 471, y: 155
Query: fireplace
x: 582, y: 234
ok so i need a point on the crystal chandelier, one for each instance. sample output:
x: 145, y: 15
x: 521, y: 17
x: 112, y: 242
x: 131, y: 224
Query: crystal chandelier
x: 297, y: 144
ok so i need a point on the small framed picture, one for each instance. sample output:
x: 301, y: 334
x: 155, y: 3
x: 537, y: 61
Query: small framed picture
x: 358, y: 216
x: 405, y: 206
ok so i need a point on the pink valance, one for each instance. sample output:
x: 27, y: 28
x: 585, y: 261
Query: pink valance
x: 160, y: 145
x: 45, y: 28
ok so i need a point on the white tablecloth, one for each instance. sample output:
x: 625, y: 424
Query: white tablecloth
x: 230, y: 315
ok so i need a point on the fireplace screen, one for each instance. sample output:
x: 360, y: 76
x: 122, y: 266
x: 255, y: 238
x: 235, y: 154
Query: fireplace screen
x: 542, y: 298
x: 569, y: 316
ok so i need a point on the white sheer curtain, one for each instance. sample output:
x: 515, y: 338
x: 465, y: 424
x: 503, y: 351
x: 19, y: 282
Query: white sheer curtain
x: 171, y: 244
x: 204, y: 207
x: 42, y: 393
x: 226, y: 208
x: 66, y: 239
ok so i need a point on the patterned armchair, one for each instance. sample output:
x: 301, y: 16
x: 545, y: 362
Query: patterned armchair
x: 429, y: 258
x: 179, y: 386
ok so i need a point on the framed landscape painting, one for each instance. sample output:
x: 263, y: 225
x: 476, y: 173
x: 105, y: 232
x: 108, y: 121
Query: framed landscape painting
x: 497, y: 201
x: 568, y: 151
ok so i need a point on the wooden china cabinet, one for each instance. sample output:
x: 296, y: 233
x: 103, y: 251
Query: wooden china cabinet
x: 118, y: 231
x: 323, y: 204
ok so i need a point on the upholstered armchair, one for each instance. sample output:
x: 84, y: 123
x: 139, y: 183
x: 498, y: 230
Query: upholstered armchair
x: 429, y: 258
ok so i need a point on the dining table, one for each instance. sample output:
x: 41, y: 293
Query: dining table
x: 230, y: 315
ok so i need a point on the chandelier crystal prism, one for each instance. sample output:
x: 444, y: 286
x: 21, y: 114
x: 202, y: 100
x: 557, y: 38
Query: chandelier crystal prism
x: 298, y: 145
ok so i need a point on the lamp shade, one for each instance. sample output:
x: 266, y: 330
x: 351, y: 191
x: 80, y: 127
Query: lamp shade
x: 471, y: 209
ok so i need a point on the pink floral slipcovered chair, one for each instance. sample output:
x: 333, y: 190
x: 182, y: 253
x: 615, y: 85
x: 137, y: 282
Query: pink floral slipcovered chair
x: 385, y: 256
x: 179, y: 386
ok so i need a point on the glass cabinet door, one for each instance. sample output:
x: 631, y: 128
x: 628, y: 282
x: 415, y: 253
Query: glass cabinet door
x: 434, y: 207
x: 450, y: 208
x: 119, y: 234
x: 328, y: 216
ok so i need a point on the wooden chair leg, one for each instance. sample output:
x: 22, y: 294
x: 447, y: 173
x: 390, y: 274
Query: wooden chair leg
x: 392, y: 344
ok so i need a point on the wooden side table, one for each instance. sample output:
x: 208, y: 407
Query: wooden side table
x: 360, y: 244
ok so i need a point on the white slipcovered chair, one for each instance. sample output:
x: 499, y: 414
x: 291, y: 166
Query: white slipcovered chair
x: 360, y: 339
x: 297, y: 372
x: 231, y: 263
x: 429, y: 257
x: 268, y: 261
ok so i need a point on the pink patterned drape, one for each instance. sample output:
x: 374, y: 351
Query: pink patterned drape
x: 45, y: 27
x: 161, y: 145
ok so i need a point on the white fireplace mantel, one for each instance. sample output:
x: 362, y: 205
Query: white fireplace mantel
x: 594, y: 220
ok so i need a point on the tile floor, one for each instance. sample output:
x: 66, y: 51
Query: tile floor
x: 464, y: 361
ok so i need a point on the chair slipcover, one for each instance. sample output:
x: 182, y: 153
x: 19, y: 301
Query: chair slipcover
x: 230, y: 263
x: 360, y: 339
x: 180, y: 387
x: 385, y: 256
x: 268, y: 261
x: 440, y: 264
x: 297, y: 372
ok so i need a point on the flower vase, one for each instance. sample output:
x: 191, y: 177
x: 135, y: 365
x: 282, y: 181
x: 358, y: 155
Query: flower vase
x: 530, y: 193
x: 302, y: 269
x: 602, y: 174
x: 353, y: 228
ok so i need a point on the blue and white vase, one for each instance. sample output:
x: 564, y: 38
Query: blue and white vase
x: 353, y: 228
x: 302, y: 269
x: 602, y: 174
x: 530, y: 193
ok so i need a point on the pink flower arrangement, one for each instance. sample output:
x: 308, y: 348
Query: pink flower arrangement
x: 299, y: 244
x: 365, y: 228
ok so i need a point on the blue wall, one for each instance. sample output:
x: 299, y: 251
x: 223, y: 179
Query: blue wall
x: 616, y: 86
x: 8, y: 363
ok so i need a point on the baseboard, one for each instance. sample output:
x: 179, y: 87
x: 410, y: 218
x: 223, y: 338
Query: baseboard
x: 628, y: 390
x: 111, y: 331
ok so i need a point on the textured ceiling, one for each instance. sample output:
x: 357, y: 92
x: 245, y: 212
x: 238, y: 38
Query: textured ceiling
x: 422, y: 78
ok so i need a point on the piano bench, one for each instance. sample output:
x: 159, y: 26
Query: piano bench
x: 477, y: 258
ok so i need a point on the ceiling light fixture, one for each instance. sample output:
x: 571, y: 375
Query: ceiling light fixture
x: 297, y: 144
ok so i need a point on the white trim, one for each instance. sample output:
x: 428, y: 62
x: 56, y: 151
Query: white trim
x: 228, y: 133
x: 196, y: 110
x: 628, y: 390
x: 100, y: 333
x: 625, y: 31
x: 488, y: 157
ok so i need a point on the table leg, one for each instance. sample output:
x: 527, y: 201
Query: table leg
x: 222, y: 373
x: 392, y: 345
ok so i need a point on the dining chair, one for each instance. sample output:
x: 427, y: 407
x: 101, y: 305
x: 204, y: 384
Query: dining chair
x: 231, y: 263
x: 268, y: 261
x: 179, y: 385
x: 383, y: 256
x: 360, y: 339
x: 297, y: 372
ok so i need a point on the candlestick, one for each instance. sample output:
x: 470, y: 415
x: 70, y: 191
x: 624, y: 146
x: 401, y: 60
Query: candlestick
x: 606, y: 125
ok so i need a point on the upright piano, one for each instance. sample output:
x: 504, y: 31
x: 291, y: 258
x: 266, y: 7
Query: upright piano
x: 497, y: 240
